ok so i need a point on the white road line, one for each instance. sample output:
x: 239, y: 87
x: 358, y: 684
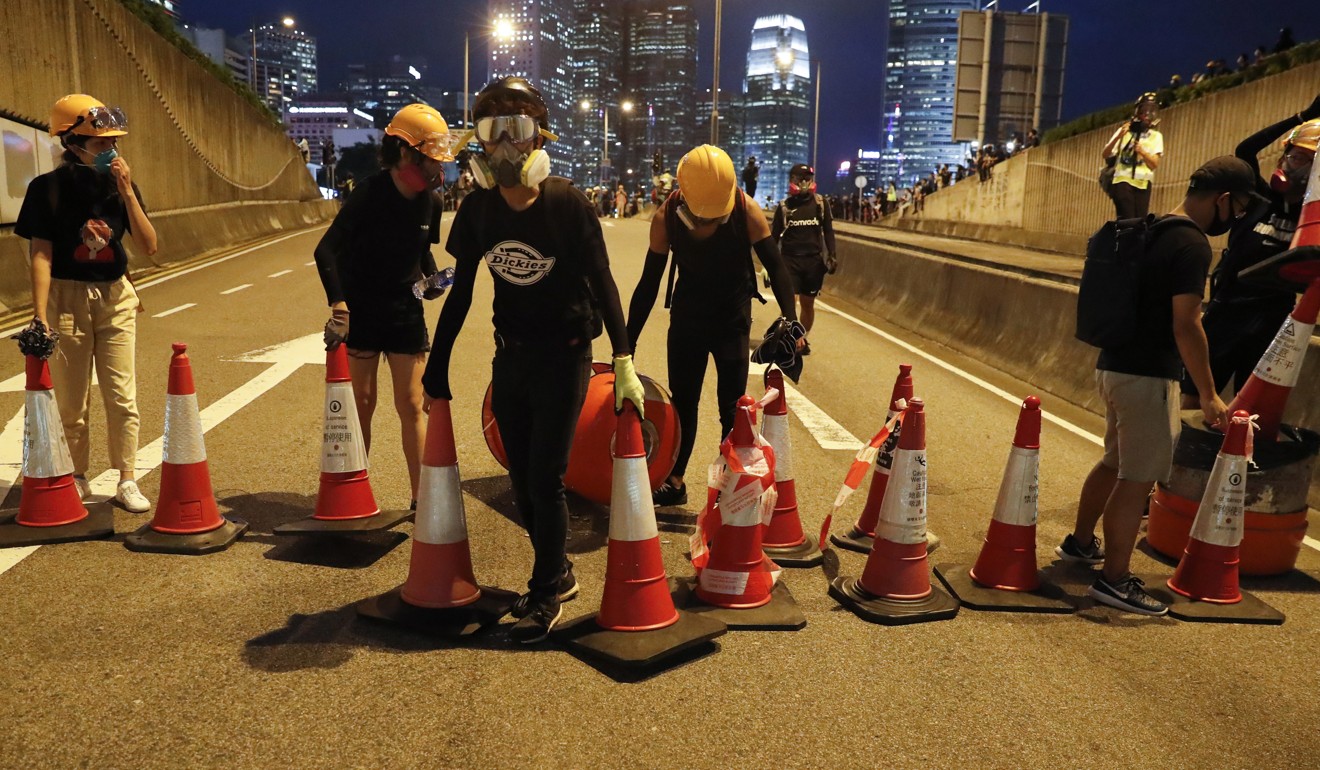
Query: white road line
x: 11, y: 468
x: 1062, y: 423
x: 174, y: 310
x: 237, y: 288
x: 827, y: 432
x: 1311, y: 542
x: 309, y: 264
x: 280, y: 273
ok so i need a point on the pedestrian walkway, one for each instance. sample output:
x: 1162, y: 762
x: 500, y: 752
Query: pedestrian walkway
x: 1044, y: 265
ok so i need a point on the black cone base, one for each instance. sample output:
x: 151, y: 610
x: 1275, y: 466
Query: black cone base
x: 98, y: 523
x: 806, y: 555
x: 781, y: 613
x: 148, y: 540
x: 1250, y: 610
x: 311, y: 526
x: 859, y: 541
x: 972, y: 595
x: 452, y: 623
x: 1290, y: 271
x: 639, y: 649
x: 893, y: 612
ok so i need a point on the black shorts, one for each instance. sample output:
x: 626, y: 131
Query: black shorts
x: 808, y: 273
x: 387, y: 325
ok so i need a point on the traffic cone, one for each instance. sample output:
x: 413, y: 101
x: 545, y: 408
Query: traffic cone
x: 895, y: 586
x: 736, y: 582
x: 440, y: 595
x: 1005, y: 575
x: 1206, y: 580
x: 187, y: 520
x: 50, y: 509
x: 637, y: 624
x: 344, y: 503
x: 784, y: 541
x: 862, y: 534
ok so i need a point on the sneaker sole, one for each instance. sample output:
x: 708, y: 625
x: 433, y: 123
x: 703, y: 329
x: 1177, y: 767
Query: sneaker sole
x: 1119, y: 604
x: 1064, y: 555
x: 549, y: 627
x: 566, y: 596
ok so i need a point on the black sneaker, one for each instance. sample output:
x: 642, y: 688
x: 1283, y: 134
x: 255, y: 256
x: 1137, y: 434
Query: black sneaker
x: 806, y: 350
x: 1126, y: 594
x: 1071, y: 550
x: 543, y: 617
x: 668, y: 494
x: 568, y: 589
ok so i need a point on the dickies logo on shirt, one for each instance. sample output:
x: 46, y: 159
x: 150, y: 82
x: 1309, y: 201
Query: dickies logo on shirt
x: 518, y: 263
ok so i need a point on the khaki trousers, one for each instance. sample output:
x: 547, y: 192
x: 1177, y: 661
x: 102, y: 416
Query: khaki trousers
x: 97, y: 323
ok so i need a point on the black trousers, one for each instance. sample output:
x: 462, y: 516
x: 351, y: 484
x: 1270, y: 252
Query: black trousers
x: 537, y: 393
x: 691, y: 344
x: 1129, y: 202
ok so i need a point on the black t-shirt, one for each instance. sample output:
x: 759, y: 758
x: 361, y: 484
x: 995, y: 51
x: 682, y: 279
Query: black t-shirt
x: 379, y: 243
x: 800, y: 225
x: 1176, y: 262
x: 79, y: 195
x: 715, y: 281
x: 1266, y: 230
x: 540, y: 259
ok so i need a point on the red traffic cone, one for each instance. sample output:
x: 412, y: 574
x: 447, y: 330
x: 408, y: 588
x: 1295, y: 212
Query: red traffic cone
x: 50, y: 509
x: 344, y: 502
x: 736, y: 575
x: 637, y: 624
x: 895, y: 586
x: 1208, y: 570
x: 1267, y: 389
x: 1005, y: 575
x: 187, y: 520
x: 440, y: 594
x: 783, y: 540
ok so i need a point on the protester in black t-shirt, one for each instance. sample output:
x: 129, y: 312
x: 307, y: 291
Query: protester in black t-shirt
x: 375, y: 250
x: 75, y: 218
x: 751, y: 174
x: 711, y: 227
x: 1241, y: 319
x: 553, y: 291
x: 1139, y: 382
x: 804, y: 230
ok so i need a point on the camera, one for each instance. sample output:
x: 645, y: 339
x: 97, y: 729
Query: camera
x: 1137, y: 126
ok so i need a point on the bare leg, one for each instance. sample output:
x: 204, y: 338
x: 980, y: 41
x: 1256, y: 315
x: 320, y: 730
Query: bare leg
x: 808, y: 313
x: 1097, y: 488
x: 362, y: 367
x: 1122, y: 522
x: 406, y: 374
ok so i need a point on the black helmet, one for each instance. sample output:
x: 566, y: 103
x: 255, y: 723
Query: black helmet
x: 514, y: 89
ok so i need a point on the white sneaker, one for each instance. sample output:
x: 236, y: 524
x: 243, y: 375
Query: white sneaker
x: 131, y: 497
x: 84, y: 487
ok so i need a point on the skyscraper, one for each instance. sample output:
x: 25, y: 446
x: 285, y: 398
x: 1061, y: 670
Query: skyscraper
x: 383, y: 89
x: 535, y: 44
x: 281, y: 63
x: 920, y: 70
x: 777, y: 100
x: 661, y: 81
x: 597, y: 54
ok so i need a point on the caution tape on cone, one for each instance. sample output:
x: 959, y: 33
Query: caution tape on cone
x: 865, y: 458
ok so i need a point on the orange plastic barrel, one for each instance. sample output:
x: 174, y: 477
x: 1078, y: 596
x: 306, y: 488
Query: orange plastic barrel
x: 590, y: 463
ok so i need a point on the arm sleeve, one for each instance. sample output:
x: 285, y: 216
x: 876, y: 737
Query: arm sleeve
x: 332, y: 252
x: 827, y: 227
x: 643, y: 297
x: 435, y: 378
x: 1250, y: 147
x: 777, y: 227
x: 598, y: 273
x: 768, y: 253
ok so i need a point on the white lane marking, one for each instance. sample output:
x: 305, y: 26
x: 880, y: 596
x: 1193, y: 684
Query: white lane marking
x: 280, y: 273
x: 11, y: 468
x: 827, y: 432
x: 237, y: 288
x: 1311, y: 542
x: 174, y: 310
x: 1062, y: 423
x: 309, y: 264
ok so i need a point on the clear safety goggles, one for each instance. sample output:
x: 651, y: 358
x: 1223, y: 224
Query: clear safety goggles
x: 437, y: 146
x: 692, y: 221
x: 519, y: 128
x: 104, y: 119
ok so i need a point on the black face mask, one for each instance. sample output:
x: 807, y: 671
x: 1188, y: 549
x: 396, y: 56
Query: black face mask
x: 1220, y: 226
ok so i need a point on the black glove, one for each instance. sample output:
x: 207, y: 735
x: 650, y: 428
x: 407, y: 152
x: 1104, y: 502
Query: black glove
x: 831, y: 264
x: 336, y: 329
x: 1312, y: 112
x: 37, y: 340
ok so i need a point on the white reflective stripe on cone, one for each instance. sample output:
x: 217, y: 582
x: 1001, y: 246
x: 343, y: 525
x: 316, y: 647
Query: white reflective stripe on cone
x: 342, y: 450
x: 903, y: 513
x: 632, y: 516
x: 440, y: 519
x: 1220, y: 514
x: 183, y: 443
x: 1282, y: 362
x: 1020, y: 488
x: 776, y: 432
x: 45, y: 452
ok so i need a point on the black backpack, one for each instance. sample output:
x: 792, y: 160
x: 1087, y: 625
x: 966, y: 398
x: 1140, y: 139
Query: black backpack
x: 1108, y: 299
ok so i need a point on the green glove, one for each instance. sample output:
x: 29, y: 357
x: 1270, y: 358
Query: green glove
x: 626, y: 385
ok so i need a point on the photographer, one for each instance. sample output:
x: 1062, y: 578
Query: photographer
x: 1135, y: 150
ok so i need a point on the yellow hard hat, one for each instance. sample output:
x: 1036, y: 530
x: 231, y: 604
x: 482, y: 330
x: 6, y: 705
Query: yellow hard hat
x: 424, y: 130
x: 708, y: 182
x: 84, y: 115
x: 1306, y: 136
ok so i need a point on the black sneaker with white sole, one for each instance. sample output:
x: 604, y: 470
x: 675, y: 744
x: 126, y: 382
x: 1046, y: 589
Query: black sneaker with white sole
x: 568, y: 589
x: 544, y: 615
x: 1127, y: 594
x: 1071, y: 550
x: 668, y: 494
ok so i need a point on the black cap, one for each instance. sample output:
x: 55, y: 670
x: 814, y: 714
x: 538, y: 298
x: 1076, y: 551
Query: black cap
x: 1225, y: 174
x: 801, y: 170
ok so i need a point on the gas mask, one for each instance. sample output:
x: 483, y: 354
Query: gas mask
x: 1288, y: 177
x: 414, y: 178
x: 102, y: 160
x: 806, y: 185
x: 506, y: 167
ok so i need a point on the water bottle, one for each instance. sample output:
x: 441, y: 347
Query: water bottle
x: 440, y: 280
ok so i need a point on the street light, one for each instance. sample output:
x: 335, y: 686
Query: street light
x: 502, y: 29
x: 288, y: 22
x: 624, y: 106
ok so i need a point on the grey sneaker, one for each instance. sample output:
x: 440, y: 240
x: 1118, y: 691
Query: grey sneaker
x: 1071, y: 550
x: 129, y: 496
x: 1127, y: 594
x: 83, y: 486
x: 568, y: 589
x: 545, y: 614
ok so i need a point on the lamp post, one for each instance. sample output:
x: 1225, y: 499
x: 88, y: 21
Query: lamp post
x: 715, y: 86
x: 502, y: 29
x: 815, y: 127
x: 624, y: 106
x: 288, y: 22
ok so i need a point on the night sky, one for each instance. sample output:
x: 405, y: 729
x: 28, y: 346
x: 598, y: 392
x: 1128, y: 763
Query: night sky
x: 1116, y: 48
